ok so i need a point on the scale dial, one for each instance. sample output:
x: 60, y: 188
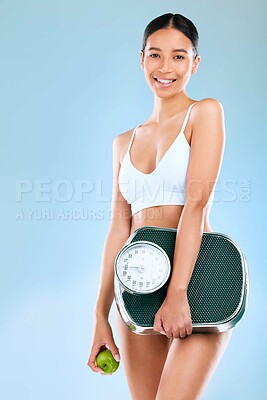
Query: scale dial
x: 142, y: 267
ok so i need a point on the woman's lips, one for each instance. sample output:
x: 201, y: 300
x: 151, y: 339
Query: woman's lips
x: 163, y: 85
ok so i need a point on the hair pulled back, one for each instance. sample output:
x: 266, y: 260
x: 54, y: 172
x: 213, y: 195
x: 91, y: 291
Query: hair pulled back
x: 176, y: 21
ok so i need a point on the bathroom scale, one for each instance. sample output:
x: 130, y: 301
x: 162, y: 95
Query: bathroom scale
x: 217, y: 292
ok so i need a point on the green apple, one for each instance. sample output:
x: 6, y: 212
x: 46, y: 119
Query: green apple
x: 107, y: 362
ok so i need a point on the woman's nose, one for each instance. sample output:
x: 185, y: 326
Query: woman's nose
x: 165, y: 66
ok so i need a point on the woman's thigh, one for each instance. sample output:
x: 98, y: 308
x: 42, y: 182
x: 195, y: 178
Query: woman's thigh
x: 190, y: 365
x: 143, y: 358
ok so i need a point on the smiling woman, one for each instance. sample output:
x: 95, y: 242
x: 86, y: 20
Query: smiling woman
x: 164, y: 174
x: 165, y: 82
x: 170, y: 62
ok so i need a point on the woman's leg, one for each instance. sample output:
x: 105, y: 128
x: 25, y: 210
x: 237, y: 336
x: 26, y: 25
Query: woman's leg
x: 190, y: 365
x: 143, y: 357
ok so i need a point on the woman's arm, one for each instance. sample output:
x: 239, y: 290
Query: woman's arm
x: 118, y: 233
x: 207, y: 147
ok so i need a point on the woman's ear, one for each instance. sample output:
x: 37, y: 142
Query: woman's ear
x: 195, y: 65
x: 142, y: 58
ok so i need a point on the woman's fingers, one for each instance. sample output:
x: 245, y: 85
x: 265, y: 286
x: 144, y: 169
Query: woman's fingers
x: 180, y: 332
x: 157, y: 324
x: 91, y: 361
x: 189, y: 330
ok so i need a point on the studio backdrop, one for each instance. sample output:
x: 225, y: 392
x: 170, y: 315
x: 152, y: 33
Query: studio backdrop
x: 70, y: 83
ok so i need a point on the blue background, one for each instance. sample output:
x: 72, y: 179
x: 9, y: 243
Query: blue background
x: 70, y: 82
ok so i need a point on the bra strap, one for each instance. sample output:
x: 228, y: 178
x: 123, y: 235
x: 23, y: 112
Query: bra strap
x: 186, y: 117
x: 133, y: 137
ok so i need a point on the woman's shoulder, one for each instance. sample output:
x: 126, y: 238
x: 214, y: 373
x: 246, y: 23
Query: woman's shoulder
x: 207, y: 116
x: 208, y: 103
x: 206, y: 109
x: 121, y: 142
x: 123, y: 138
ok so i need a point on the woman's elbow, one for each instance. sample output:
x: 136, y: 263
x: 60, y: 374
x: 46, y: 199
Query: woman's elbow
x: 121, y: 221
x: 196, y: 207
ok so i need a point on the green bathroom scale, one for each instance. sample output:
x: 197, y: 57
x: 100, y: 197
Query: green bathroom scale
x: 217, y: 292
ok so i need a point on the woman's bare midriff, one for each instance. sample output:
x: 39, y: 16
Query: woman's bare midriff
x: 167, y: 216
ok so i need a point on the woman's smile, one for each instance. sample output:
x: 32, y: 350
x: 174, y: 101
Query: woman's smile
x: 164, y: 83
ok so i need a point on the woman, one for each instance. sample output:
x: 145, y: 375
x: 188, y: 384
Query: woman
x: 176, y: 364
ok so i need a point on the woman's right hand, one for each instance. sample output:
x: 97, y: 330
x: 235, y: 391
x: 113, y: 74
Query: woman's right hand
x: 102, y: 336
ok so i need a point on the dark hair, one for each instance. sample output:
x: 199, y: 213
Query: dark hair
x: 176, y: 21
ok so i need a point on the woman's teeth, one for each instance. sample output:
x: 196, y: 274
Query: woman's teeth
x: 164, y: 82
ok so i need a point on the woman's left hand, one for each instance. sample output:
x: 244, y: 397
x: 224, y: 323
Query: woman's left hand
x: 173, y: 318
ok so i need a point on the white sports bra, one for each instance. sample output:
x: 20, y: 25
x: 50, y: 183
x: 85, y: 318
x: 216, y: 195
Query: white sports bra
x: 166, y: 185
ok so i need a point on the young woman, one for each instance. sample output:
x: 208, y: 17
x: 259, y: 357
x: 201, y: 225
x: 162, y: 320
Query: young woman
x: 179, y: 150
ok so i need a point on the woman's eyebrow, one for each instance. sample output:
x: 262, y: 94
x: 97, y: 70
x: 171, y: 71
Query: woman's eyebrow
x: 158, y: 49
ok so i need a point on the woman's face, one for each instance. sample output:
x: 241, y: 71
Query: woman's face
x: 162, y: 60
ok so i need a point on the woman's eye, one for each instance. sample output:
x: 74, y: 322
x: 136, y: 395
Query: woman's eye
x: 154, y: 54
